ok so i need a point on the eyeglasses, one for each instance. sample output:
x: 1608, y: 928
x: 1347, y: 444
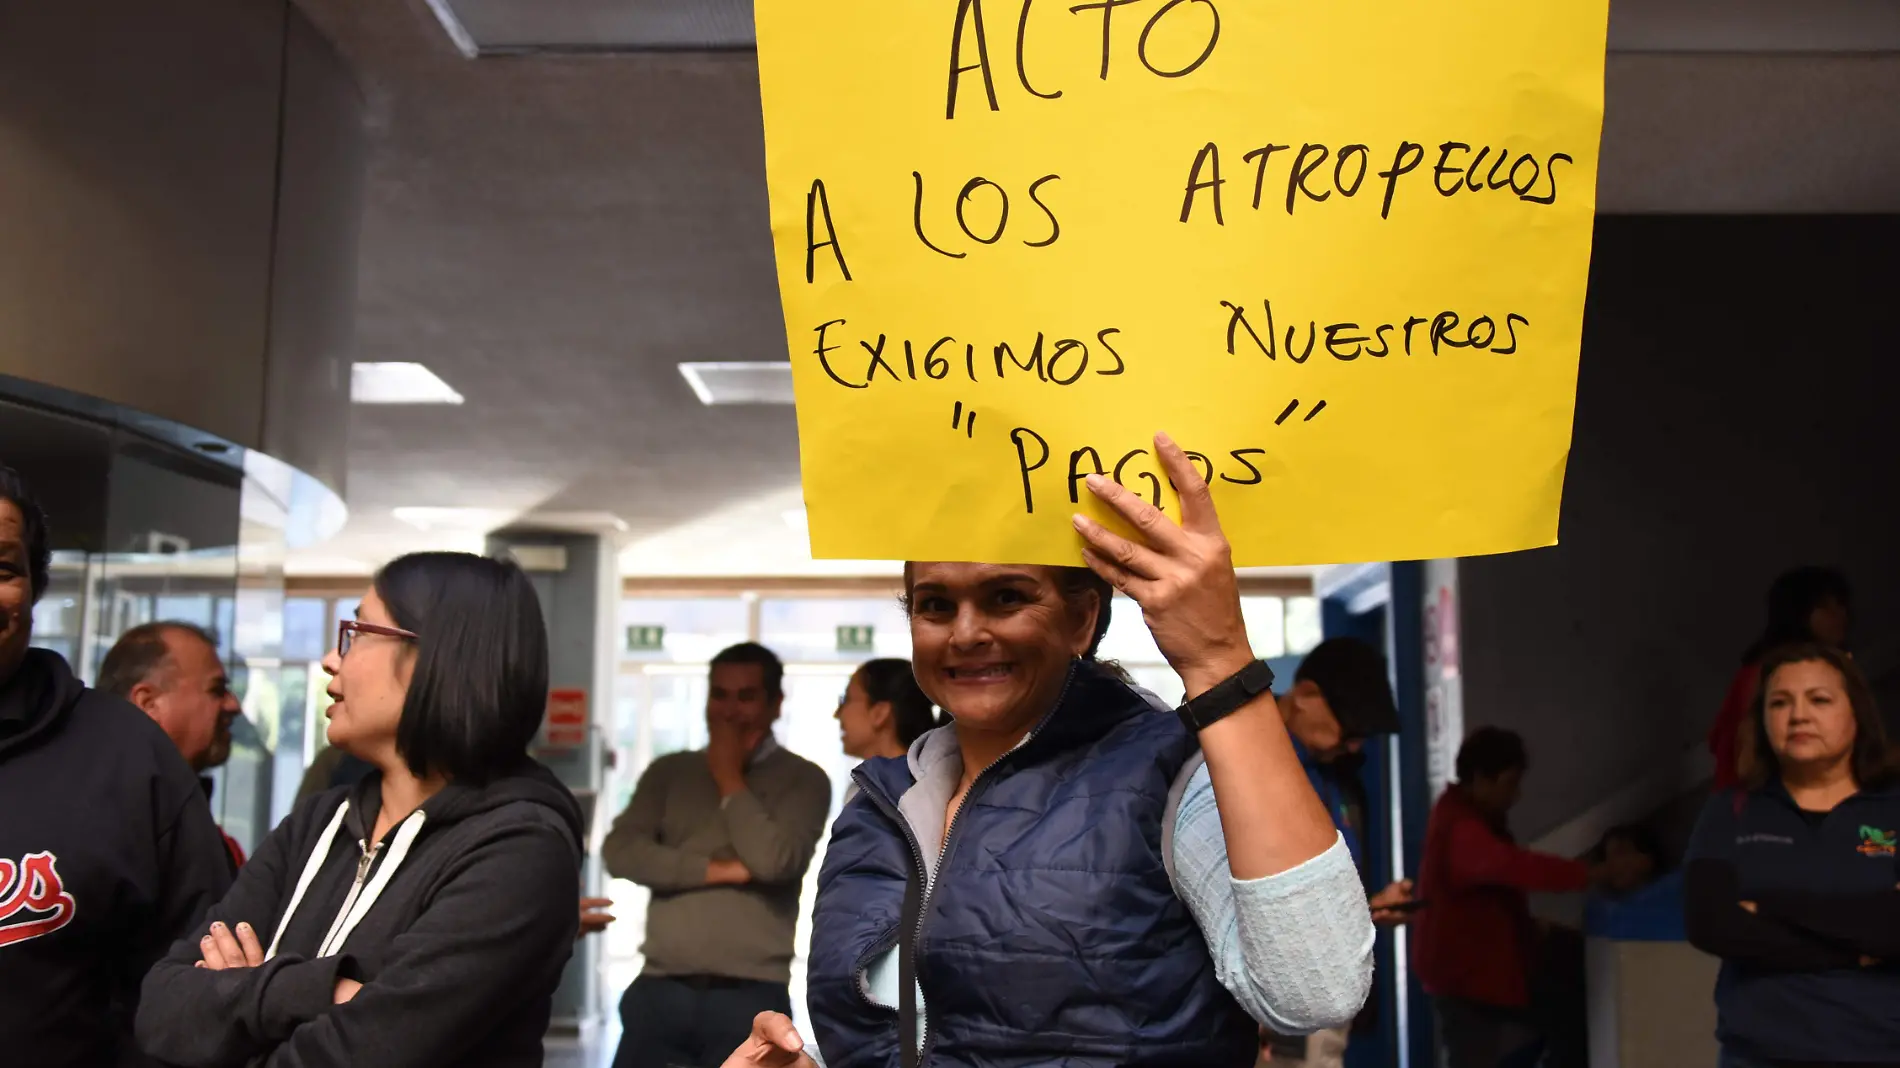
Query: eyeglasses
x: 348, y: 629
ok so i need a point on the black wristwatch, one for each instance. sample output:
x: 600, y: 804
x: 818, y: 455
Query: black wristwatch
x: 1226, y: 697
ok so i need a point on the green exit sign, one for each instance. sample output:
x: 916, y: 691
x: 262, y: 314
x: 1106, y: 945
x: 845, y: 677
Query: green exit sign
x: 646, y: 639
x: 857, y: 639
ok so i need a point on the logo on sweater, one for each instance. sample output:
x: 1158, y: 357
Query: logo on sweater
x: 33, y: 902
x: 1875, y: 842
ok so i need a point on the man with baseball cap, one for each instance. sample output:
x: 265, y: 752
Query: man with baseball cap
x: 1340, y: 697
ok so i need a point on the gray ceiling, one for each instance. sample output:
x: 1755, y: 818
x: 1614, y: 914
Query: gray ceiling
x: 553, y: 234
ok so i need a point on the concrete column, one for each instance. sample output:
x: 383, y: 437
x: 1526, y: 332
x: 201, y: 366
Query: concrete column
x: 578, y: 579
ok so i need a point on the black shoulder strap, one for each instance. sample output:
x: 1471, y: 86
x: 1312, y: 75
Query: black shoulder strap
x: 907, y: 970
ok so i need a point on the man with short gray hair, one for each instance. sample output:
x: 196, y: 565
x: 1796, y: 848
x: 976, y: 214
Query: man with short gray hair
x: 171, y: 672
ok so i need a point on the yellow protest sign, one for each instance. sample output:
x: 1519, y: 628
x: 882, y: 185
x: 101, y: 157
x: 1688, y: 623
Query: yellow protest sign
x: 1337, y: 250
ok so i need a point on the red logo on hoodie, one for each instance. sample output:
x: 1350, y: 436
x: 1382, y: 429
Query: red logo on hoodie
x: 33, y: 902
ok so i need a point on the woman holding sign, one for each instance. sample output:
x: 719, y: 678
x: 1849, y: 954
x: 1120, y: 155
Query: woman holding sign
x: 1057, y: 875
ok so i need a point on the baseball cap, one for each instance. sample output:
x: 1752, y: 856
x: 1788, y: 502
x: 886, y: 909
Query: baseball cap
x: 1351, y: 675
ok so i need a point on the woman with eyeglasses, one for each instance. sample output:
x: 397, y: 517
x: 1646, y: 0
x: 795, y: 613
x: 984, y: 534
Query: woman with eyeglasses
x: 423, y: 916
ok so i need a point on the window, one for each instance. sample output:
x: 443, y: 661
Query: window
x: 690, y: 630
x: 308, y: 634
x: 809, y: 631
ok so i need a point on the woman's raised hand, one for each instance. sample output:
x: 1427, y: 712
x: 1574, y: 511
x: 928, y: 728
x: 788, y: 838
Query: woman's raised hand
x: 775, y: 1043
x: 1181, y: 576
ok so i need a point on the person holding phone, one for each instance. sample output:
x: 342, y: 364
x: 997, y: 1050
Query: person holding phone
x: 1340, y: 699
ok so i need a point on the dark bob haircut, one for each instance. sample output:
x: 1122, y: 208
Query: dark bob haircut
x: 1490, y: 752
x: 893, y: 681
x: 39, y: 552
x: 1872, y: 759
x: 480, y: 687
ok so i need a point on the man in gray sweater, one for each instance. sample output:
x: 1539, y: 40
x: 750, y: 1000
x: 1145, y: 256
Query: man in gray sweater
x: 722, y: 836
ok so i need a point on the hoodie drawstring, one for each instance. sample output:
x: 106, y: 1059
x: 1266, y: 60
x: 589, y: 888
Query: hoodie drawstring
x: 310, y: 869
x: 361, y: 897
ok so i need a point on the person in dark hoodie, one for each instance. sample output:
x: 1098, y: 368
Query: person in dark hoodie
x: 107, y: 850
x: 424, y: 915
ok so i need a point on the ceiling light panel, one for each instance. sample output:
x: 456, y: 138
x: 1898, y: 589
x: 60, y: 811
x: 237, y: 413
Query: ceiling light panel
x: 517, y: 27
x: 463, y: 520
x: 399, y: 383
x: 739, y: 383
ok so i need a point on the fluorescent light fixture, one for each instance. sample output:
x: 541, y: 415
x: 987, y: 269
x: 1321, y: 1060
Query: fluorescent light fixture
x: 477, y: 520
x: 739, y: 383
x: 595, y: 27
x: 578, y: 522
x: 398, y: 383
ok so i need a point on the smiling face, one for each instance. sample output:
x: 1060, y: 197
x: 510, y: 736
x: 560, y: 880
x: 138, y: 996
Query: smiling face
x: 16, y: 590
x: 368, y: 687
x: 991, y: 644
x: 737, y: 697
x: 1809, y: 718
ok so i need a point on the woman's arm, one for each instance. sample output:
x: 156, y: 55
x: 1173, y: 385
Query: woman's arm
x: 500, y: 928
x: 1295, y: 949
x: 1718, y: 924
x: 1183, y: 578
x: 199, y: 1018
x: 1868, y: 924
x: 1713, y: 914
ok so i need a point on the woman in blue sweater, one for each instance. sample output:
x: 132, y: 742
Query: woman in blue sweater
x: 1057, y: 876
x: 1792, y: 880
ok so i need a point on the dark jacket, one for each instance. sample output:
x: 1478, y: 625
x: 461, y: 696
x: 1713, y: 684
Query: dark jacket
x: 470, y: 921
x: 1793, y: 987
x: 1052, y: 934
x: 107, y: 854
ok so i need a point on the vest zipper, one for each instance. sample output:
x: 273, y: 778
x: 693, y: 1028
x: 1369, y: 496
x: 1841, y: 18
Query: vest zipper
x: 949, y: 836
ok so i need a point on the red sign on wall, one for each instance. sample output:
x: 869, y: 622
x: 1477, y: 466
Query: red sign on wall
x: 566, y: 723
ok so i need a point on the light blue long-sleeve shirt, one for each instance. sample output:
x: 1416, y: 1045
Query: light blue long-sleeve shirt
x: 1294, y: 948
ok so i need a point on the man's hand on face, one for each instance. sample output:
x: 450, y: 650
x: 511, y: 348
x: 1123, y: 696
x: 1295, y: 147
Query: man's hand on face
x: 729, y: 745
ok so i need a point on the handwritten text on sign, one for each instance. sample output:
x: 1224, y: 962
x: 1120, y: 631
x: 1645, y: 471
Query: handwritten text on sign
x: 1336, y: 250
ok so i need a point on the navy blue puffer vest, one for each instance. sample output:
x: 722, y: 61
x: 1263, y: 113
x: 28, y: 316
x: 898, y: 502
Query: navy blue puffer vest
x: 1051, y: 935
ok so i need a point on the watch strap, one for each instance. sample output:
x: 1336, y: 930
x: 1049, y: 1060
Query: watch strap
x: 1226, y: 697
